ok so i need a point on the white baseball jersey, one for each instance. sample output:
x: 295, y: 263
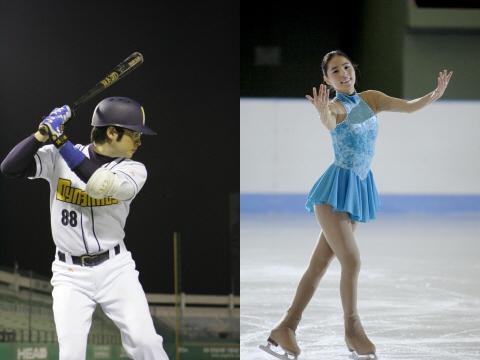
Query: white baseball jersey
x: 81, y: 224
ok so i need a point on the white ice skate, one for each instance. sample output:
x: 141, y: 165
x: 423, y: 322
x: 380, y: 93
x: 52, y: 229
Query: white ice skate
x: 285, y: 356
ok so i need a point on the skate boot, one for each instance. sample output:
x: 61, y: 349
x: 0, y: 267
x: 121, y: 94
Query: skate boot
x: 285, y: 338
x: 283, y: 335
x: 358, y: 343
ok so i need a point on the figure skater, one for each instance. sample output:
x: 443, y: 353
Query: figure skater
x: 343, y: 196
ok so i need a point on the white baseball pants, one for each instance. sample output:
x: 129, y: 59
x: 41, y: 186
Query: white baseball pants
x: 115, y: 286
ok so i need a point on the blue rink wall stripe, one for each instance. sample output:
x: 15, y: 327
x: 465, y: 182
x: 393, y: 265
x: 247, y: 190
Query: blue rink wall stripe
x: 389, y: 203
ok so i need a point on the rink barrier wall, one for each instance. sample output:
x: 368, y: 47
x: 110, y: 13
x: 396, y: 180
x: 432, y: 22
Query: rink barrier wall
x: 389, y: 203
x: 284, y: 148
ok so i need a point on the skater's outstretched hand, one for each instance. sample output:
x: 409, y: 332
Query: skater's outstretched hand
x: 321, y: 101
x: 442, y: 83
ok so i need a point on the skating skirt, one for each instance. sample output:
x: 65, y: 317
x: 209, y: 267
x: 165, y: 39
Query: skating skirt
x: 345, y: 192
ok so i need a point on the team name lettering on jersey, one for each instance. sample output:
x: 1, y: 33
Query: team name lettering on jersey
x: 69, y: 194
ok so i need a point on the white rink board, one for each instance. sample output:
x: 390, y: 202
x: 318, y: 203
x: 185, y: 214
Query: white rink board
x: 285, y: 148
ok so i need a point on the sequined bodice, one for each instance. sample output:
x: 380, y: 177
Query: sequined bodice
x: 354, y: 138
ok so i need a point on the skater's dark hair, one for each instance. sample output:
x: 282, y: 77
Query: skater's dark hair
x: 329, y: 56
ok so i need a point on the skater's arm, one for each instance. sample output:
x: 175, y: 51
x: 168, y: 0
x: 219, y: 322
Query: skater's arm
x: 382, y: 102
x: 327, y: 110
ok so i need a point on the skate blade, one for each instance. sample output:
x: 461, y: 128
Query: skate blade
x: 355, y: 356
x: 285, y: 356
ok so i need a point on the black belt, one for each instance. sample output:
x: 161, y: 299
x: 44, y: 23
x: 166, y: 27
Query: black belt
x: 89, y: 260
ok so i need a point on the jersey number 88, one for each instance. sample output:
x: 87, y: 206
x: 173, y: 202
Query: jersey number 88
x: 69, y: 218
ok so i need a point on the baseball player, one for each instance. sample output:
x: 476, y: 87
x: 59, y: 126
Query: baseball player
x: 91, y: 188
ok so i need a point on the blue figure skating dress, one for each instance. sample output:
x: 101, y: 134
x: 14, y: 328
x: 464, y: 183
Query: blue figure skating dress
x: 348, y: 184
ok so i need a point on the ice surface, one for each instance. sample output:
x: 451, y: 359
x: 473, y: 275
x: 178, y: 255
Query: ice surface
x: 419, y: 287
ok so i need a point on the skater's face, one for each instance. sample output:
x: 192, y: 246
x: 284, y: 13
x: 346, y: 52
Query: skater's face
x: 340, y: 74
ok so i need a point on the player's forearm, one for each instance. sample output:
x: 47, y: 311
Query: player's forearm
x: 82, y: 166
x: 86, y: 169
x: 20, y: 160
x: 417, y: 104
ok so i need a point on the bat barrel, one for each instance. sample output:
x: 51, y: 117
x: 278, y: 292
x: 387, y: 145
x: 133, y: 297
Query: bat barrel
x: 121, y: 70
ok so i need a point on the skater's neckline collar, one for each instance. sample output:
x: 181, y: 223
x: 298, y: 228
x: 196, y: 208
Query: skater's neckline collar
x: 345, y: 94
x: 353, y: 97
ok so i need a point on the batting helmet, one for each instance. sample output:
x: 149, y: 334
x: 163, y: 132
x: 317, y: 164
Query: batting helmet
x: 123, y: 112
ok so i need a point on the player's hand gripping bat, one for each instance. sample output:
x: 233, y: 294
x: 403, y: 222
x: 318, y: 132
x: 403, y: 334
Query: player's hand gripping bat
x: 119, y: 72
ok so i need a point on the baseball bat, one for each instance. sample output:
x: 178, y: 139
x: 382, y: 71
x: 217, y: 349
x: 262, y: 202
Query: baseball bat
x: 119, y: 72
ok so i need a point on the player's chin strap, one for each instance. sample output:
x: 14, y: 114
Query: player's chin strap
x: 105, y: 183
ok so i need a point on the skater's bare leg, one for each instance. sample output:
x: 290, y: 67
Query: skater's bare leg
x: 319, y: 261
x: 339, y: 235
x: 283, y: 333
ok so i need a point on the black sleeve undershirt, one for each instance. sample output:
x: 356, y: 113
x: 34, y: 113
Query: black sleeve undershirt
x: 20, y: 161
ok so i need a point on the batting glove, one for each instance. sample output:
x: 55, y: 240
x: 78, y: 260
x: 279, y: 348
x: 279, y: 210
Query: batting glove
x: 53, y: 124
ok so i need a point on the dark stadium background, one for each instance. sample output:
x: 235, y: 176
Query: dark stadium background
x: 52, y: 52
